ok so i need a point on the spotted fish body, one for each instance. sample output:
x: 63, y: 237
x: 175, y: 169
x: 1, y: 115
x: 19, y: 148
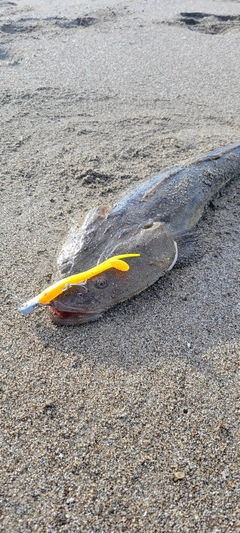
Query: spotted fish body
x: 152, y: 219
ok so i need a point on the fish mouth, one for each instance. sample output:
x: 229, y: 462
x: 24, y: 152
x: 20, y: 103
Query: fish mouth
x: 71, y: 318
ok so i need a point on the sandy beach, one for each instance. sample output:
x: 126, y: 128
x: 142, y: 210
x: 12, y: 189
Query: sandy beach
x: 130, y: 423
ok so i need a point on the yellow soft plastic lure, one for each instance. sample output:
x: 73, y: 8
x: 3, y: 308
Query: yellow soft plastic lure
x: 49, y: 294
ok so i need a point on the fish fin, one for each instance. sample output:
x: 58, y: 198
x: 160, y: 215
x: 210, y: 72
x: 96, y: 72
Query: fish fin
x: 79, y: 240
x: 187, y: 243
x: 95, y: 216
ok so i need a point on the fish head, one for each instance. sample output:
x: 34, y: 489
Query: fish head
x: 86, y: 302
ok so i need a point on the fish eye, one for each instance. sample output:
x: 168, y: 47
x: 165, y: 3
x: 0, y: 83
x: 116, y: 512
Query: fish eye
x: 80, y: 295
x: 148, y: 225
x: 101, y: 283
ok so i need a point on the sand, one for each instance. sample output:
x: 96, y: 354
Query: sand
x: 128, y: 424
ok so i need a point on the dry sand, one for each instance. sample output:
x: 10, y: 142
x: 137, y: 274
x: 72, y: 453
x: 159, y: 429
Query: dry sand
x: 128, y: 424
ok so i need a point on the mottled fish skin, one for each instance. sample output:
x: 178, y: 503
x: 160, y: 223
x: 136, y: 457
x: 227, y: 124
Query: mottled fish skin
x: 151, y: 219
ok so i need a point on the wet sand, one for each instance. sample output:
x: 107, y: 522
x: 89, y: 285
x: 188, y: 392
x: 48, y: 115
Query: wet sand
x: 129, y: 423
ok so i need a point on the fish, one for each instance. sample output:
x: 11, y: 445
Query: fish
x: 155, y: 219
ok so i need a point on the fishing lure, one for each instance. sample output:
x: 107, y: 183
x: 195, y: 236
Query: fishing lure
x: 50, y: 293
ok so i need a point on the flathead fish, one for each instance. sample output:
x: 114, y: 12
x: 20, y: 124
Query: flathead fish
x: 154, y: 219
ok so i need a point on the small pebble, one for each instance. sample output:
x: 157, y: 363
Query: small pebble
x: 179, y: 475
